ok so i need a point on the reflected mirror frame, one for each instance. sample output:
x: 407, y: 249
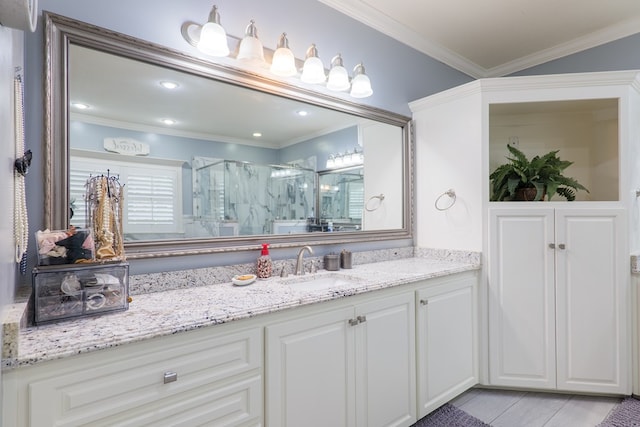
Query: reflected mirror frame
x: 61, y: 31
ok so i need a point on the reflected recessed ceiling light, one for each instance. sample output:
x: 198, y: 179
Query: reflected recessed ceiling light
x: 80, y: 105
x: 168, y: 121
x: 302, y: 113
x: 257, y: 134
x: 169, y: 85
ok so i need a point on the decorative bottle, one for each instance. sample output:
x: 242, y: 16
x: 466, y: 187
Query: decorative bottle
x: 265, y: 265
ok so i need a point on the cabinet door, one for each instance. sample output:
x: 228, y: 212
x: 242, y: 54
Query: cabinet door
x: 592, y: 301
x: 310, y: 371
x: 385, y: 362
x: 446, y: 341
x: 522, y: 346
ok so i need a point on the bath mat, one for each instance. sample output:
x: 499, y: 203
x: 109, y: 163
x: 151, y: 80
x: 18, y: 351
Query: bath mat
x: 626, y: 414
x: 450, y: 416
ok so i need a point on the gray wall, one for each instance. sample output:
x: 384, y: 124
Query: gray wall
x: 399, y: 74
x: 10, y: 57
x: 623, y: 54
x: 397, y: 71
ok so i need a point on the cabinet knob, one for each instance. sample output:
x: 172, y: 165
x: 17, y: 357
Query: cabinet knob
x: 552, y: 245
x: 562, y: 246
x: 361, y: 319
x: 424, y: 301
x: 353, y: 322
x: 170, y: 377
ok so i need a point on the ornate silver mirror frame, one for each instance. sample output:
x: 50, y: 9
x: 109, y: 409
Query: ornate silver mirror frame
x: 61, y: 31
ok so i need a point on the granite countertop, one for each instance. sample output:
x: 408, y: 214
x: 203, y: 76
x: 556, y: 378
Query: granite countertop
x: 168, y: 312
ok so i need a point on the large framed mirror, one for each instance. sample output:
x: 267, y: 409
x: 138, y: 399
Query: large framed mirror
x: 213, y: 157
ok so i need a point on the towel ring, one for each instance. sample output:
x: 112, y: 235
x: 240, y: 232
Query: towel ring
x: 379, y: 197
x: 452, y: 194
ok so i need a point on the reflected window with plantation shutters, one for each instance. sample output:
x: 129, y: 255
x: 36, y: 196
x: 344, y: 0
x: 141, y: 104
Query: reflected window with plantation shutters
x: 356, y: 200
x: 153, y: 201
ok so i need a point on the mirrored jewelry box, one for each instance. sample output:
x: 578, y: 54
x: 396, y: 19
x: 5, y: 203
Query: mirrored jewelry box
x: 69, y: 291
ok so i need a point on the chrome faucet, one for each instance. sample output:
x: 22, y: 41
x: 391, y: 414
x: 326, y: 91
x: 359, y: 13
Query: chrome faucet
x: 300, y: 263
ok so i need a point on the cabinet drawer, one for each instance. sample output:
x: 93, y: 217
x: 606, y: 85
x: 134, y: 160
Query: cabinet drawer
x: 218, y: 378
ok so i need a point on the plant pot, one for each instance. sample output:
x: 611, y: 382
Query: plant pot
x: 527, y: 194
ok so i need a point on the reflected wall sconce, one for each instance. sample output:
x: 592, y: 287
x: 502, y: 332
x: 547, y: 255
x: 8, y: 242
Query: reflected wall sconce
x: 251, y: 49
x: 345, y: 160
x: 211, y: 39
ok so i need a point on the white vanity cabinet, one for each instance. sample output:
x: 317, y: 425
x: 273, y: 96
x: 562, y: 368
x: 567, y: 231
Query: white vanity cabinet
x: 202, y: 377
x: 447, y: 346
x: 352, y: 366
x: 549, y: 318
x: 558, y: 301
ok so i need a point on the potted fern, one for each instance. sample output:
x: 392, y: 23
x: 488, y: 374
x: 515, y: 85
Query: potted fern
x: 530, y: 180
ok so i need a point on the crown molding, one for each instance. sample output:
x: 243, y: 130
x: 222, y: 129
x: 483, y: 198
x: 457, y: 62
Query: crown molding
x: 594, y: 39
x: 373, y: 18
x: 381, y: 22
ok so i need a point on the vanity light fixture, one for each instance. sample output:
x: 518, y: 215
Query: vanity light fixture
x: 338, y: 77
x: 346, y: 159
x: 313, y: 69
x: 251, y: 50
x: 169, y: 84
x: 283, y: 63
x: 213, y: 38
x: 360, y: 85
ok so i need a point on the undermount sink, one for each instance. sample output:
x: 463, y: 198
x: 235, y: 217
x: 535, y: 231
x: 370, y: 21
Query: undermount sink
x: 317, y: 282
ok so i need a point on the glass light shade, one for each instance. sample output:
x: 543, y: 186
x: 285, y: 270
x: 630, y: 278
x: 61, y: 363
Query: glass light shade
x: 213, y: 40
x: 360, y: 85
x: 313, y: 69
x: 283, y: 62
x: 338, y: 77
x: 331, y: 162
x: 251, y: 49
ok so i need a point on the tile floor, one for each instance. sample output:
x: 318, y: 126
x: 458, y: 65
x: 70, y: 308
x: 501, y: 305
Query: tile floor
x: 504, y: 408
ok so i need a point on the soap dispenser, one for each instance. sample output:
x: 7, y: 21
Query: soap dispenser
x: 265, y: 265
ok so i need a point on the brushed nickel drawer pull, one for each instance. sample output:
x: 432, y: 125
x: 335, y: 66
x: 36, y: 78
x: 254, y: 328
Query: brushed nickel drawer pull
x: 170, y: 377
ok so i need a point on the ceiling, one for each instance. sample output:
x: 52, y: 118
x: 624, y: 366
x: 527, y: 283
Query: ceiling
x: 126, y: 94
x: 493, y: 38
